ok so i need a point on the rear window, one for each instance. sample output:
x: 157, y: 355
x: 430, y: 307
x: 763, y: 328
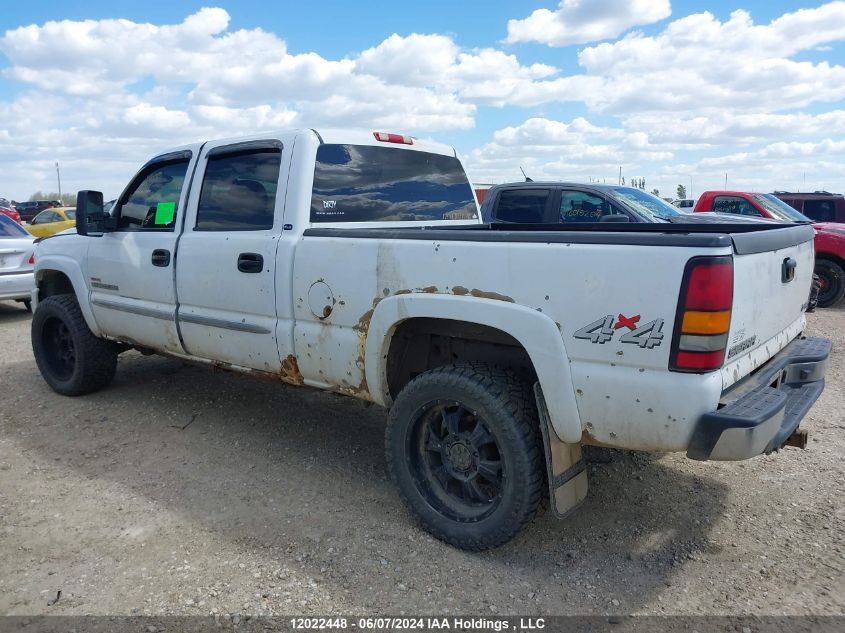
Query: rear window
x: 10, y: 228
x: 361, y: 183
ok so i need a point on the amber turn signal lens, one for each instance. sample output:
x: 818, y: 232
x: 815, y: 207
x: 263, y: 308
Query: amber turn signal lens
x: 696, y: 322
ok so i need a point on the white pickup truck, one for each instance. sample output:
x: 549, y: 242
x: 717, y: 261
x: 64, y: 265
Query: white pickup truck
x: 356, y: 262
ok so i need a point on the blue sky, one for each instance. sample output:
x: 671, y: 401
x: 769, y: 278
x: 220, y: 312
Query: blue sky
x: 675, y: 92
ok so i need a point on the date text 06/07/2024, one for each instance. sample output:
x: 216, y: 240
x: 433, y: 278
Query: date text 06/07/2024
x: 418, y: 624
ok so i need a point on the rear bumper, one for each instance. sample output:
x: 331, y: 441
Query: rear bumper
x: 760, y: 412
x: 16, y: 285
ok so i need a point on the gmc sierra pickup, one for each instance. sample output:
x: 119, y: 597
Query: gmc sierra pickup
x: 357, y: 263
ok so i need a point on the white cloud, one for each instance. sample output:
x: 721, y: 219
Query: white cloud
x: 796, y: 166
x: 548, y: 133
x: 580, y: 151
x: 712, y: 94
x: 699, y: 64
x: 581, y: 21
x: 729, y: 128
x: 557, y: 150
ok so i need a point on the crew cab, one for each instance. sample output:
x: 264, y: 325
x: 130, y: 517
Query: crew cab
x: 829, y: 240
x: 356, y: 262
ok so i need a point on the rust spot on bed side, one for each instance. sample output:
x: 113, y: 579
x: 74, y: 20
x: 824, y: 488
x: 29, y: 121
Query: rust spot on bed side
x: 290, y: 371
x: 481, y: 294
x: 590, y: 439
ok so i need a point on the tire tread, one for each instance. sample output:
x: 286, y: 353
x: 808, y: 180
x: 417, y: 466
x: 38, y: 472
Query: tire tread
x: 516, y: 397
x: 98, y: 356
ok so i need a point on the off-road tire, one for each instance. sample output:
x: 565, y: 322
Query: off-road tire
x: 833, y: 282
x: 505, y: 404
x: 85, y: 364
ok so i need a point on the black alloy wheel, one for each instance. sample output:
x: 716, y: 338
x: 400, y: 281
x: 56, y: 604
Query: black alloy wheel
x: 458, y: 458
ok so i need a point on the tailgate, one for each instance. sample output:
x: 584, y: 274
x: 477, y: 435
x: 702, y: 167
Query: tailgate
x: 768, y: 305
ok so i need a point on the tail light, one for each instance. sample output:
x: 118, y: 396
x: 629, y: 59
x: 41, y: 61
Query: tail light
x: 704, y: 315
x: 32, y: 259
x: 384, y: 137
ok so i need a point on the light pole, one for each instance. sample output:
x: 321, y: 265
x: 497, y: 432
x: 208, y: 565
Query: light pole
x: 59, y: 178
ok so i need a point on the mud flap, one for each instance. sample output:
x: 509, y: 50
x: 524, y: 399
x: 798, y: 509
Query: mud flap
x: 565, y: 467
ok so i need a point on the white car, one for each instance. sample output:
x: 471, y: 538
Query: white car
x: 17, y: 260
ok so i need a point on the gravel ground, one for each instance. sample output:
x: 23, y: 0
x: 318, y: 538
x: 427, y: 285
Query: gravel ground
x: 180, y: 490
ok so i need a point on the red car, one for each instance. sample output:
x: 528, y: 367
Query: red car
x: 829, y: 242
x: 11, y: 213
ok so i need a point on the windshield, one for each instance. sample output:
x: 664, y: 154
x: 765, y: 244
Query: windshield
x: 646, y: 204
x: 10, y: 228
x: 779, y: 209
x: 70, y: 213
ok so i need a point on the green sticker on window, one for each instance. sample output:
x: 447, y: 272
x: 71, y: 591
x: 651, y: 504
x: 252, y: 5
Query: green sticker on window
x: 165, y: 212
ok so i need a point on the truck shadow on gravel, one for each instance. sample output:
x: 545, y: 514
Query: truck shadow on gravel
x: 296, y: 478
x: 13, y: 312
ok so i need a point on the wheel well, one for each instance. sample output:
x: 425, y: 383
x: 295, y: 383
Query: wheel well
x: 831, y: 258
x: 420, y: 344
x: 53, y: 282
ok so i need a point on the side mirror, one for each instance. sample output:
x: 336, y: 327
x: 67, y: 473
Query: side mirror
x: 90, y: 216
x: 615, y: 218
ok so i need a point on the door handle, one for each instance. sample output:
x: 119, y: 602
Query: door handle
x: 788, y: 270
x: 250, y: 262
x: 161, y: 258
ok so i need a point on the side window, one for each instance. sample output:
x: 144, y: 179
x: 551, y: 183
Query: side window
x: 150, y: 203
x: 526, y: 206
x: 735, y: 205
x: 578, y: 206
x: 45, y: 217
x: 819, y: 210
x: 239, y: 191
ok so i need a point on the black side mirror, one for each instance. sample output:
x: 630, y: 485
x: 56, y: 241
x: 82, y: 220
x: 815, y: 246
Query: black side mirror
x: 90, y: 215
x: 615, y: 218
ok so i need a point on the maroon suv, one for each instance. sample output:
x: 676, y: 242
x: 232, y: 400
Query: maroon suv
x: 819, y: 206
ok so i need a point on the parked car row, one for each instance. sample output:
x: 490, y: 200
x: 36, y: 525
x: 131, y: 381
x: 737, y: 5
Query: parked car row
x: 48, y: 220
x: 577, y: 203
x: 819, y: 206
x: 28, y: 210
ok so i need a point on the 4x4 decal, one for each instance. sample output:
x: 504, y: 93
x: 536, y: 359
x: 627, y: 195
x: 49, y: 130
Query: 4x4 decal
x: 647, y: 336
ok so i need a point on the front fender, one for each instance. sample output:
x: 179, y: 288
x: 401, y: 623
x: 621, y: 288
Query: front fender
x: 44, y: 264
x: 535, y: 331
